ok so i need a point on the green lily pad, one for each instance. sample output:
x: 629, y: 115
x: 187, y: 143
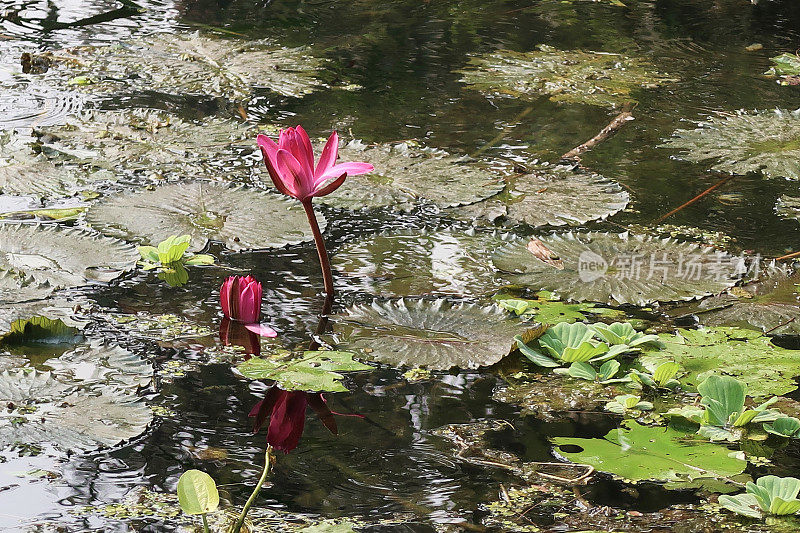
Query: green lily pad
x: 156, y: 143
x: 547, y: 309
x: 239, y: 218
x: 420, y: 262
x: 786, y: 67
x: 743, y: 142
x: 39, y: 330
x: 29, y: 302
x: 747, y: 355
x: 63, y: 257
x: 573, y: 76
x: 640, y: 453
x: 407, y: 173
x: 317, y: 371
x: 552, y: 196
x: 619, y: 268
x: 434, y: 334
x: 25, y: 170
x: 188, y: 63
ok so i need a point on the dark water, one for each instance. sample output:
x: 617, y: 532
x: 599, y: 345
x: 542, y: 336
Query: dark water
x: 403, y: 53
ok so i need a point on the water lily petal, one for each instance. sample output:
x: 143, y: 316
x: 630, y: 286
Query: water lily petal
x: 329, y: 185
x: 305, y: 150
x: 268, y: 147
x: 262, y: 330
x: 352, y: 168
x: 291, y: 171
x: 247, y: 305
x: 286, y: 188
x: 329, y: 154
x: 287, y: 421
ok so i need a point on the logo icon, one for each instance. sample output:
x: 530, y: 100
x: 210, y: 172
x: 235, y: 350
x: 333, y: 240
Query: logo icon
x: 591, y: 266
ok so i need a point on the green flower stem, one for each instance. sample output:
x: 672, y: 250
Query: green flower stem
x: 324, y: 262
x: 237, y: 526
x: 205, y: 523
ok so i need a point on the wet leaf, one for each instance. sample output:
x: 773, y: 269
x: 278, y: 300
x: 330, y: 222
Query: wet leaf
x: 620, y: 268
x: 422, y: 262
x: 786, y: 67
x: 104, y: 364
x: 787, y: 426
x: 436, y: 335
x: 551, y: 196
x: 63, y: 257
x: 406, y: 174
x: 742, y: 142
x: 745, y: 354
x: 197, y: 493
x: 317, y: 371
x: 40, y: 329
x: 573, y: 76
x: 239, y: 218
x: 547, y: 309
x: 639, y: 453
x: 188, y: 63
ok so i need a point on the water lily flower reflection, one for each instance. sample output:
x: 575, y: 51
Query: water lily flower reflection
x: 287, y: 416
x: 290, y: 162
x: 240, y: 298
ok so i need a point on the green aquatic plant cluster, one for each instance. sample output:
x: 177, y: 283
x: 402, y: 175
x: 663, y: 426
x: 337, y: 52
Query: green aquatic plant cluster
x: 170, y: 258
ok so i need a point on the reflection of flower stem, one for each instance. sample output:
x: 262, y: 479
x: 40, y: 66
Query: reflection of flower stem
x: 237, y: 526
x: 321, y: 251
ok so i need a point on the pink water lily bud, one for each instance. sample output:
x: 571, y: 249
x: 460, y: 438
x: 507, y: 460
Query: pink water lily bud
x: 240, y: 298
x: 290, y: 163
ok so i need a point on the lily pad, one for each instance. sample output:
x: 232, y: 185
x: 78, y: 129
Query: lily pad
x: 27, y: 302
x: 573, y: 76
x: 788, y: 207
x: 100, y: 363
x: 743, y: 142
x: 155, y: 143
x: 556, y: 195
x: 25, y: 170
x: 63, y: 257
x: 188, y: 63
x: 420, y: 262
x: 407, y: 173
x: 547, y: 309
x: 620, y: 268
x: 769, y: 305
x: 640, y: 453
x: 786, y: 67
x: 747, y: 355
x: 317, y: 371
x: 240, y: 218
x: 551, y: 397
x: 436, y: 335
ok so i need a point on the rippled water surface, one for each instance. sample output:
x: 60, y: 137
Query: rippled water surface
x: 388, y: 462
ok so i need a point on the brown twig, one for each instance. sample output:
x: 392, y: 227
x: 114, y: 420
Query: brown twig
x: 605, y: 133
x: 693, y: 200
x: 780, y: 325
x: 787, y: 256
x: 497, y: 138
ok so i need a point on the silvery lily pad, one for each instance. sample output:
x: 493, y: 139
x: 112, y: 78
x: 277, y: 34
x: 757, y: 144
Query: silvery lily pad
x: 575, y: 76
x: 788, y: 207
x: 406, y: 174
x: 742, y: 142
x: 619, y: 268
x: 180, y: 63
x: 24, y: 170
x: 437, y: 334
x: 106, y: 364
x: 555, y: 196
x: 26, y: 302
x: 238, y: 217
x: 61, y: 257
x: 420, y: 262
x: 153, y: 142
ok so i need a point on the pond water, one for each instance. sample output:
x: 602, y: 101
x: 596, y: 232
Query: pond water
x: 386, y: 72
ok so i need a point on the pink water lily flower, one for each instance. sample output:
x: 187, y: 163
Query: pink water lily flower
x: 240, y: 298
x: 290, y: 162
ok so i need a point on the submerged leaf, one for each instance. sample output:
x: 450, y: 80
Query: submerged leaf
x: 640, y: 453
x: 575, y: 76
x: 63, y: 257
x: 39, y: 329
x: 240, y: 218
x: 747, y: 355
x: 406, y: 174
x: 758, y: 141
x: 620, y: 268
x: 420, y: 262
x: 437, y: 334
x: 316, y: 371
x: 551, y: 196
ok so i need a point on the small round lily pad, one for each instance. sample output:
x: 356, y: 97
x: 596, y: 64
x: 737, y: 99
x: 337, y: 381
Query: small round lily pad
x: 240, y: 218
x: 619, y: 268
x: 434, y: 334
x: 743, y: 142
x: 554, y: 195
